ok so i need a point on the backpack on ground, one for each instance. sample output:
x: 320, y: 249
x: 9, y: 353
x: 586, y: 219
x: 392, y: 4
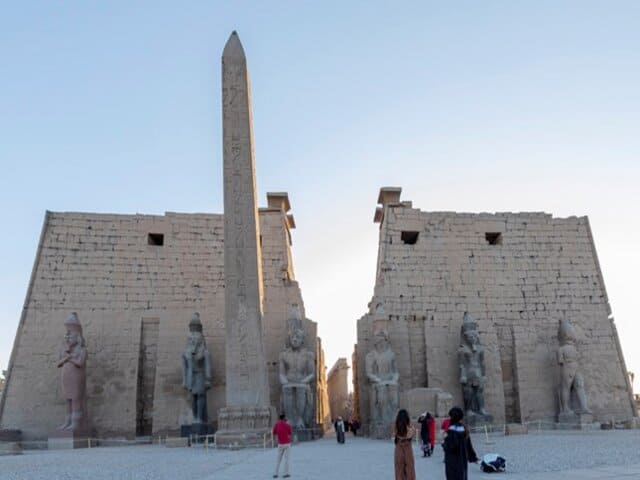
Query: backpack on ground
x: 492, y: 462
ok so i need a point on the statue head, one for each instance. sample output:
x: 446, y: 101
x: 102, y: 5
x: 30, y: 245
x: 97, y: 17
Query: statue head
x: 469, y: 331
x: 295, y: 329
x: 195, y: 333
x: 381, y: 341
x: 195, y: 325
x: 566, y: 333
x: 73, y: 336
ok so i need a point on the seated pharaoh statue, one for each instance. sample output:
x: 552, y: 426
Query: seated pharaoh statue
x: 571, y: 379
x: 472, y: 370
x: 297, y: 371
x: 196, y: 370
x: 382, y: 372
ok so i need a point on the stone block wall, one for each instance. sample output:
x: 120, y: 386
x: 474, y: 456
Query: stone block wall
x: 323, y: 413
x: 281, y: 292
x: 518, y: 274
x: 118, y: 278
x: 338, y: 388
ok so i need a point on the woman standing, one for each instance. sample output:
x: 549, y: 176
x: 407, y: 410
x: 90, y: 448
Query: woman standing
x: 458, y: 451
x: 427, y: 433
x: 403, y: 456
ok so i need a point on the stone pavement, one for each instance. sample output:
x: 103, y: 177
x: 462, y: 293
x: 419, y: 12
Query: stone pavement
x: 539, y: 456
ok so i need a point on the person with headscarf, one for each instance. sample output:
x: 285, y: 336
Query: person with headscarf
x: 427, y: 433
x: 339, y: 426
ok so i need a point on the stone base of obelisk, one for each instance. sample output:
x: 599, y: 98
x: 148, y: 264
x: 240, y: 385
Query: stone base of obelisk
x: 241, y: 427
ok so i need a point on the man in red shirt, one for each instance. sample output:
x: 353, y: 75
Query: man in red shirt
x: 282, y: 431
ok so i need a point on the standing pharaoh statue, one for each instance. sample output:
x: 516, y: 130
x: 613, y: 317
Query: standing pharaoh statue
x: 382, y: 372
x: 472, y: 370
x: 297, y: 371
x: 570, y: 376
x: 72, y: 361
x: 196, y: 370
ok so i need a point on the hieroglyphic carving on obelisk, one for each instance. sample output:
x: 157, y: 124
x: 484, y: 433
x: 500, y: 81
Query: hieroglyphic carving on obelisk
x: 247, y: 386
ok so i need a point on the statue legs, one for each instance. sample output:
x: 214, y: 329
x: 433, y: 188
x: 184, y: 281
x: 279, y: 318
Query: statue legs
x: 303, y: 405
x: 565, y: 392
x: 473, y: 399
x: 479, y: 400
x: 297, y: 404
x: 578, y: 385
x: 468, y: 394
x: 67, y: 422
x: 75, y: 413
x: 385, y: 400
x: 199, y: 407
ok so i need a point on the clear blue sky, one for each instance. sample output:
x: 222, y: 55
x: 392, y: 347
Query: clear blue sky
x: 469, y: 106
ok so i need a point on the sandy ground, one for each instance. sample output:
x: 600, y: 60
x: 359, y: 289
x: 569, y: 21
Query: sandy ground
x: 539, y: 456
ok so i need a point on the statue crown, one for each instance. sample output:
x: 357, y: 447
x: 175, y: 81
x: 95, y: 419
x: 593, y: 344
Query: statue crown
x: 72, y: 319
x: 565, y: 331
x: 468, y: 323
x: 295, y: 322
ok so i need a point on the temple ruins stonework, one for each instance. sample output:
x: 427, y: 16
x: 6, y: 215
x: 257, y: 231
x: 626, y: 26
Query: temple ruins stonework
x: 516, y: 275
x: 136, y: 281
x: 338, y: 388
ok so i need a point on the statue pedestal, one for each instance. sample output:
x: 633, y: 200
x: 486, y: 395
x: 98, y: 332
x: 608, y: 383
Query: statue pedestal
x: 196, y: 430
x: 68, y: 439
x: 244, y: 426
x: 305, y: 434
x: 474, y: 419
x: 575, y: 421
x: 10, y: 448
x: 380, y: 431
x: 10, y: 442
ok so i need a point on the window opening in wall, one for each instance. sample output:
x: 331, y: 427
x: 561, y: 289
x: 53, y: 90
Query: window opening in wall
x: 493, y: 238
x: 409, y: 238
x: 155, y: 239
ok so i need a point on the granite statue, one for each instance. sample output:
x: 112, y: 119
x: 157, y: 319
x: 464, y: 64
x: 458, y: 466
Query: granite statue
x: 72, y: 360
x: 382, y: 372
x: 196, y: 370
x: 297, y: 371
x: 571, y: 379
x: 472, y: 369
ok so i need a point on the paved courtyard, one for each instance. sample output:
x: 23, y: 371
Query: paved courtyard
x: 537, y: 456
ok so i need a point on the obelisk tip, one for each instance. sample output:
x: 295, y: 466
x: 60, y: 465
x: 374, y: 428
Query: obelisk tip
x: 233, y: 48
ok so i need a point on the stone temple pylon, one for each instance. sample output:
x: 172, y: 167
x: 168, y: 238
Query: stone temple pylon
x: 247, y: 415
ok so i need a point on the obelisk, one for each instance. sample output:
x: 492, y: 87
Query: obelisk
x: 247, y: 389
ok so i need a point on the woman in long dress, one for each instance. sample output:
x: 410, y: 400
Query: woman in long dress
x: 403, y: 433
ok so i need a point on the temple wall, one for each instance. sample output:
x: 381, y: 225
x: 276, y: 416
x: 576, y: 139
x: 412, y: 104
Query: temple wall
x: 323, y: 412
x: 338, y: 388
x: 281, y: 291
x: 540, y: 270
x: 103, y: 267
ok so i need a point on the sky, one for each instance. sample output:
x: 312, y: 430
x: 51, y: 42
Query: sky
x: 468, y: 106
